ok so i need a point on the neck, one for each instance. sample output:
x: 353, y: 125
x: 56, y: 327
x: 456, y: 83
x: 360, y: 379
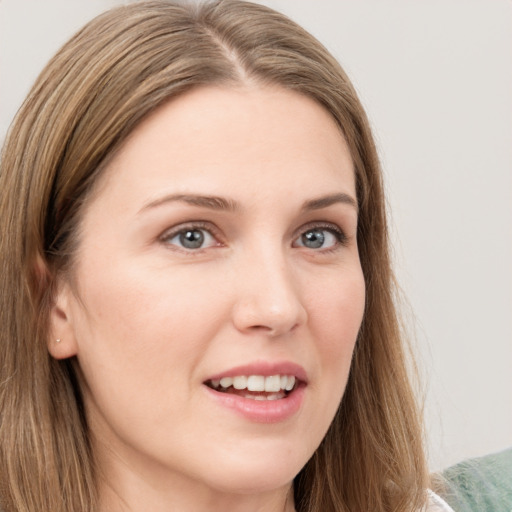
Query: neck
x: 145, y: 497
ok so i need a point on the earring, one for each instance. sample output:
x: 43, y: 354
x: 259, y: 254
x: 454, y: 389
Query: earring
x: 57, y: 340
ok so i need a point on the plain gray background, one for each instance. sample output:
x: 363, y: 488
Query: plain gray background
x: 436, y: 80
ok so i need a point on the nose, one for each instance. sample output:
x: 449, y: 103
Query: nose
x: 268, y: 299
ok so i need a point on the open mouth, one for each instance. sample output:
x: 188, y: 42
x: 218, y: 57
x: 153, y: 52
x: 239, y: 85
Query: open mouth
x: 256, y: 387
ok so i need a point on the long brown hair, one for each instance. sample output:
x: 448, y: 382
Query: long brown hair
x: 88, y: 99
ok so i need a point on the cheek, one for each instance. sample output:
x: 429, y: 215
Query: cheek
x: 335, y: 318
x: 135, y: 299
x: 135, y: 325
x: 337, y: 309
x: 141, y: 334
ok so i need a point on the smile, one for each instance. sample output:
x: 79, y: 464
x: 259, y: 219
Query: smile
x: 255, y: 387
x: 261, y: 391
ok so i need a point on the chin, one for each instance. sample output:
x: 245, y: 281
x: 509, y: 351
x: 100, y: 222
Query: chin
x: 257, y: 474
x: 255, y: 482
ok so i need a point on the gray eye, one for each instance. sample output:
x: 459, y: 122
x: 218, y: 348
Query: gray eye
x: 317, y: 238
x: 313, y: 239
x: 192, y: 238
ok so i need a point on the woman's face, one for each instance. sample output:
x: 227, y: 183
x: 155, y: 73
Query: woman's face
x: 219, y: 245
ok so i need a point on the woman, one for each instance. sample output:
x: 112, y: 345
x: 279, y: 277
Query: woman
x: 197, y: 297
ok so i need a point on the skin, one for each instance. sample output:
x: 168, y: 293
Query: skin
x: 150, y: 320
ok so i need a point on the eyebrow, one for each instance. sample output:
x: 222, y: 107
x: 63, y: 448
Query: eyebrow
x: 225, y: 204
x: 210, y: 202
x: 326, y: 201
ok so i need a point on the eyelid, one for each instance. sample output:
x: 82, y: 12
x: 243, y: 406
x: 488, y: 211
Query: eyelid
x: 170, y: 233
x: 338, y: 232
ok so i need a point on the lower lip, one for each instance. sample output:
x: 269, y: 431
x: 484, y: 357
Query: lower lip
x: 261, y: 411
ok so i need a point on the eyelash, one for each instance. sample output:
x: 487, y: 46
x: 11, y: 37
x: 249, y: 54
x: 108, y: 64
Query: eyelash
x: 338, y: 233
x: 195, y: 226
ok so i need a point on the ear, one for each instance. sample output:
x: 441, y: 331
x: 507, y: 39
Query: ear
x: 62, y: 340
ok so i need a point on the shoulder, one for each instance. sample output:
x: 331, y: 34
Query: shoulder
x: 483, y: 483
x: 436, y: 504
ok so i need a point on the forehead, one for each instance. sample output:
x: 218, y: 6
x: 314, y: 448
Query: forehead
x: 216, y: 137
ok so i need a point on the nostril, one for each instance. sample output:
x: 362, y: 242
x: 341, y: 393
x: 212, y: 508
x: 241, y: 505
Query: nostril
x: 272, y: 331
x: 261, y: 328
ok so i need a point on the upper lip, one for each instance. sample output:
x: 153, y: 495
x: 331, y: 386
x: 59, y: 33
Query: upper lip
x: 265, y: 369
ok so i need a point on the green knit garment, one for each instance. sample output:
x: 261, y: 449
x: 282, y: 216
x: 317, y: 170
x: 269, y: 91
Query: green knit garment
x: 480, y: 485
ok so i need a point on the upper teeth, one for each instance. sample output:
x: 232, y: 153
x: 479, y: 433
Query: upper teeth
x: 273, y: 383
